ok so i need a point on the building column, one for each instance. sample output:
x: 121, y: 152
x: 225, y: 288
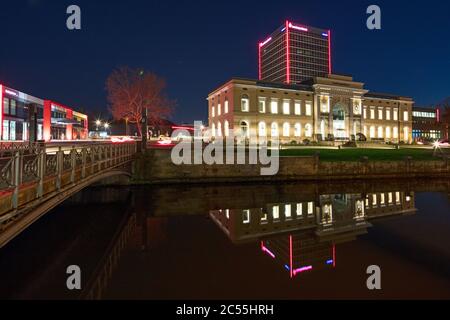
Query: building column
x: 47, y: 120
x: 69, y: 128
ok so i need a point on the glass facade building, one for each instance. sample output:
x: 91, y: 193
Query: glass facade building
x: 294, y: 53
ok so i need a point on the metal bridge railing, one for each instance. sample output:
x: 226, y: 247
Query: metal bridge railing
x: 30, y: 174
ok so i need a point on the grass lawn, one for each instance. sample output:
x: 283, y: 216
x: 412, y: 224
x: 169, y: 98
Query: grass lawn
x: 357, y: 154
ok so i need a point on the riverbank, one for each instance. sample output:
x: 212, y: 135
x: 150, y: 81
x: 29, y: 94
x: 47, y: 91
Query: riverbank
x: 156, y: 167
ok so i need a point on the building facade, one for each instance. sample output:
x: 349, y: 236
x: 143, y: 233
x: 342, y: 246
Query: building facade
x: 427, y: 124
x: 24, y: 118
x: 333, y: 107
x: 294, y: 53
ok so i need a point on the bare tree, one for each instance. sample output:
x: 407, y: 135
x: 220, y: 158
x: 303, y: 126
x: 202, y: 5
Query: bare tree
x: 130, y: 91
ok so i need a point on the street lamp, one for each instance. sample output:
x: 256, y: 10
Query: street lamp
x: 98, y: 123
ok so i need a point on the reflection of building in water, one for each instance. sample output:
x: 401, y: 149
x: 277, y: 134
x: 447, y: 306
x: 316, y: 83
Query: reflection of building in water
x: 303, y: 236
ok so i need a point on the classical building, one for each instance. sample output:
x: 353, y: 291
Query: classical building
x: 332, y: 107
x: 294, y: 53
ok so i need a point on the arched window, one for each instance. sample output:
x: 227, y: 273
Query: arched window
x: 298, y: 130
x: 388, y: 132
x: 219, y: 129
x: 213, y: 130
x: 245, y: 129
x: 262, y: 129
x: 286, y: 129
x: 372, y: 132
x: 274, y: 129
x: 380, y: 132
x: 245, y: 103
x: 226, y: 128
x: 308, y: 130
x: 395, y: 133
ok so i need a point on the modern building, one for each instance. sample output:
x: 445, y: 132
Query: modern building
x: 294, y: 53
x: 333, y: 107
x: 427, y: 124
x: 26, y: 118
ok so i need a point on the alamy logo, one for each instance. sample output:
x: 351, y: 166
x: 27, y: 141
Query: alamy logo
x: 374, y: 281
x: 237, y: 148
x: 73, y: 22
x: 74, y: 280
x: 374, y: 20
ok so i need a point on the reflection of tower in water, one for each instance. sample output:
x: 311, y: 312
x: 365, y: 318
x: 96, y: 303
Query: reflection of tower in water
x: 303, y: 236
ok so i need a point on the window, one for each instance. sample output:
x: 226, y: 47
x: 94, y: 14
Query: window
x: 12, y: 130
x: 395, y: 114
x: 246, y: 216
x: 395, y: 133
x: 213, y: 130
x: 388, y: 132
x: 310, y: 208
x: 276, y: 213
x: 12, y: 110
x: 406, y: 134
x: 397, y: 197
x: 226, y: 106
x: 245, y: 103
x: 390, y: 198
x: 288, y: 211
x: 219, y: 129
x: 262, y: 105
x: 274, y: 129
x: 372, y: 113
x: 388, y: 114
x: 5, y: 130
x: 372, y: 132
x: 286, y: 129
x: 5, y: 105
x: 374, y: 200
x: 324, y: 104
x: 298, y: 108
x: 219, y: 109
x: 405, y: 116
x: 308, y: 110
x: 286, y: 106
x: 308, y: 131
x: 262, y: 129
x: 213, y: 111
x: 226, y: 128
x: 365, y: 113
x: 299, y: 209
x: 274, y: 106
x: 380, y: 114
x: 382, y: 199
x: 298, y: 130
x: 380, y: 132
x: 245, y: 129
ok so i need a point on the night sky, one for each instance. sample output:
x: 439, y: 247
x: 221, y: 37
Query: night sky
x: 198, y: 45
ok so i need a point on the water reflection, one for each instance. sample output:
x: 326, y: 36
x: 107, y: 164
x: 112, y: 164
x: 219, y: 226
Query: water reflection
x: 303, y: 236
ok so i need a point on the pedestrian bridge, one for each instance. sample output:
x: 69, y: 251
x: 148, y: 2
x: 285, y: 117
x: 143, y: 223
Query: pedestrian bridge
x: 36, y: 178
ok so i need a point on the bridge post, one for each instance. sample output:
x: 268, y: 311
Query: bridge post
x: 73, y: 162
x: 41, y: 173
x: 17, y: 178
x: 83, y: 165
x: 59, y: 167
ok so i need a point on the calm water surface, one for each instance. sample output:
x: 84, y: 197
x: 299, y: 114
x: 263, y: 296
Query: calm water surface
x: 283, y: 241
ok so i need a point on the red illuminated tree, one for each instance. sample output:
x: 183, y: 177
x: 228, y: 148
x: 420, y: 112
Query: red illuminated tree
x: 130, y: 91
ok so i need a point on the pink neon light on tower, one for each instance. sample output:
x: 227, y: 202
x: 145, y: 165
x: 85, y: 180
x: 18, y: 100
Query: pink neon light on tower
x: 288, y: 62
x: 290, y: 256
x: 329, y: 52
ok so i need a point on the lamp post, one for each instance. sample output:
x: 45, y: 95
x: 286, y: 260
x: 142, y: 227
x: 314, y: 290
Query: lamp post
x: 106, y: 127
x: 98, y: 123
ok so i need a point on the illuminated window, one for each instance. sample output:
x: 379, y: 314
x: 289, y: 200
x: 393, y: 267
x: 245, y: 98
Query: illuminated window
x: 12, y: 110
x: 395, y: 115
x: 246, y: 216
x: 382, y: 199
x: 397, y: 197
x: 388, y: 132
x: 380, y: 113
x: 286, y: 129
x: 227, y: 213
x: 262, y: 105
x: 226, y: 129
x: 310, y: 208
x: 286, y: 106
x: 299, y: 209
x: 308, y: 131
x: 274, y: 106
x: 262, y: 129
x: 245, y: 132
x: 308, y: 107
x: 406, y: 134
x: 213, y: 111
x: 374, y: 200
x: 298, y: 108
x: 213, y: 130
x: 365, y: 113
x: 405, y: 116
x: 219, y: 109
x: 372, y: 113
x: 372, y: 132
x: 388, y: 114
x: 390, y: 198
x: 226, y: 106
x: 288, y: 211
x: 245, y: 103
x: 274, y: 129
x: 276, y: 213
x: 219, y: 129
x: 395, y: 133
x: 380, y: 132
x: 324, y: 104
x: 297, y: 130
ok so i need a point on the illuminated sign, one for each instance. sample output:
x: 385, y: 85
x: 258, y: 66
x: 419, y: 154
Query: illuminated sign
x: 12, y: 93
x: 298, y: 27
x: 262, y: 44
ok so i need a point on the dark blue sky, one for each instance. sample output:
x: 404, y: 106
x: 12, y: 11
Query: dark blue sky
x: 198, y: 45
